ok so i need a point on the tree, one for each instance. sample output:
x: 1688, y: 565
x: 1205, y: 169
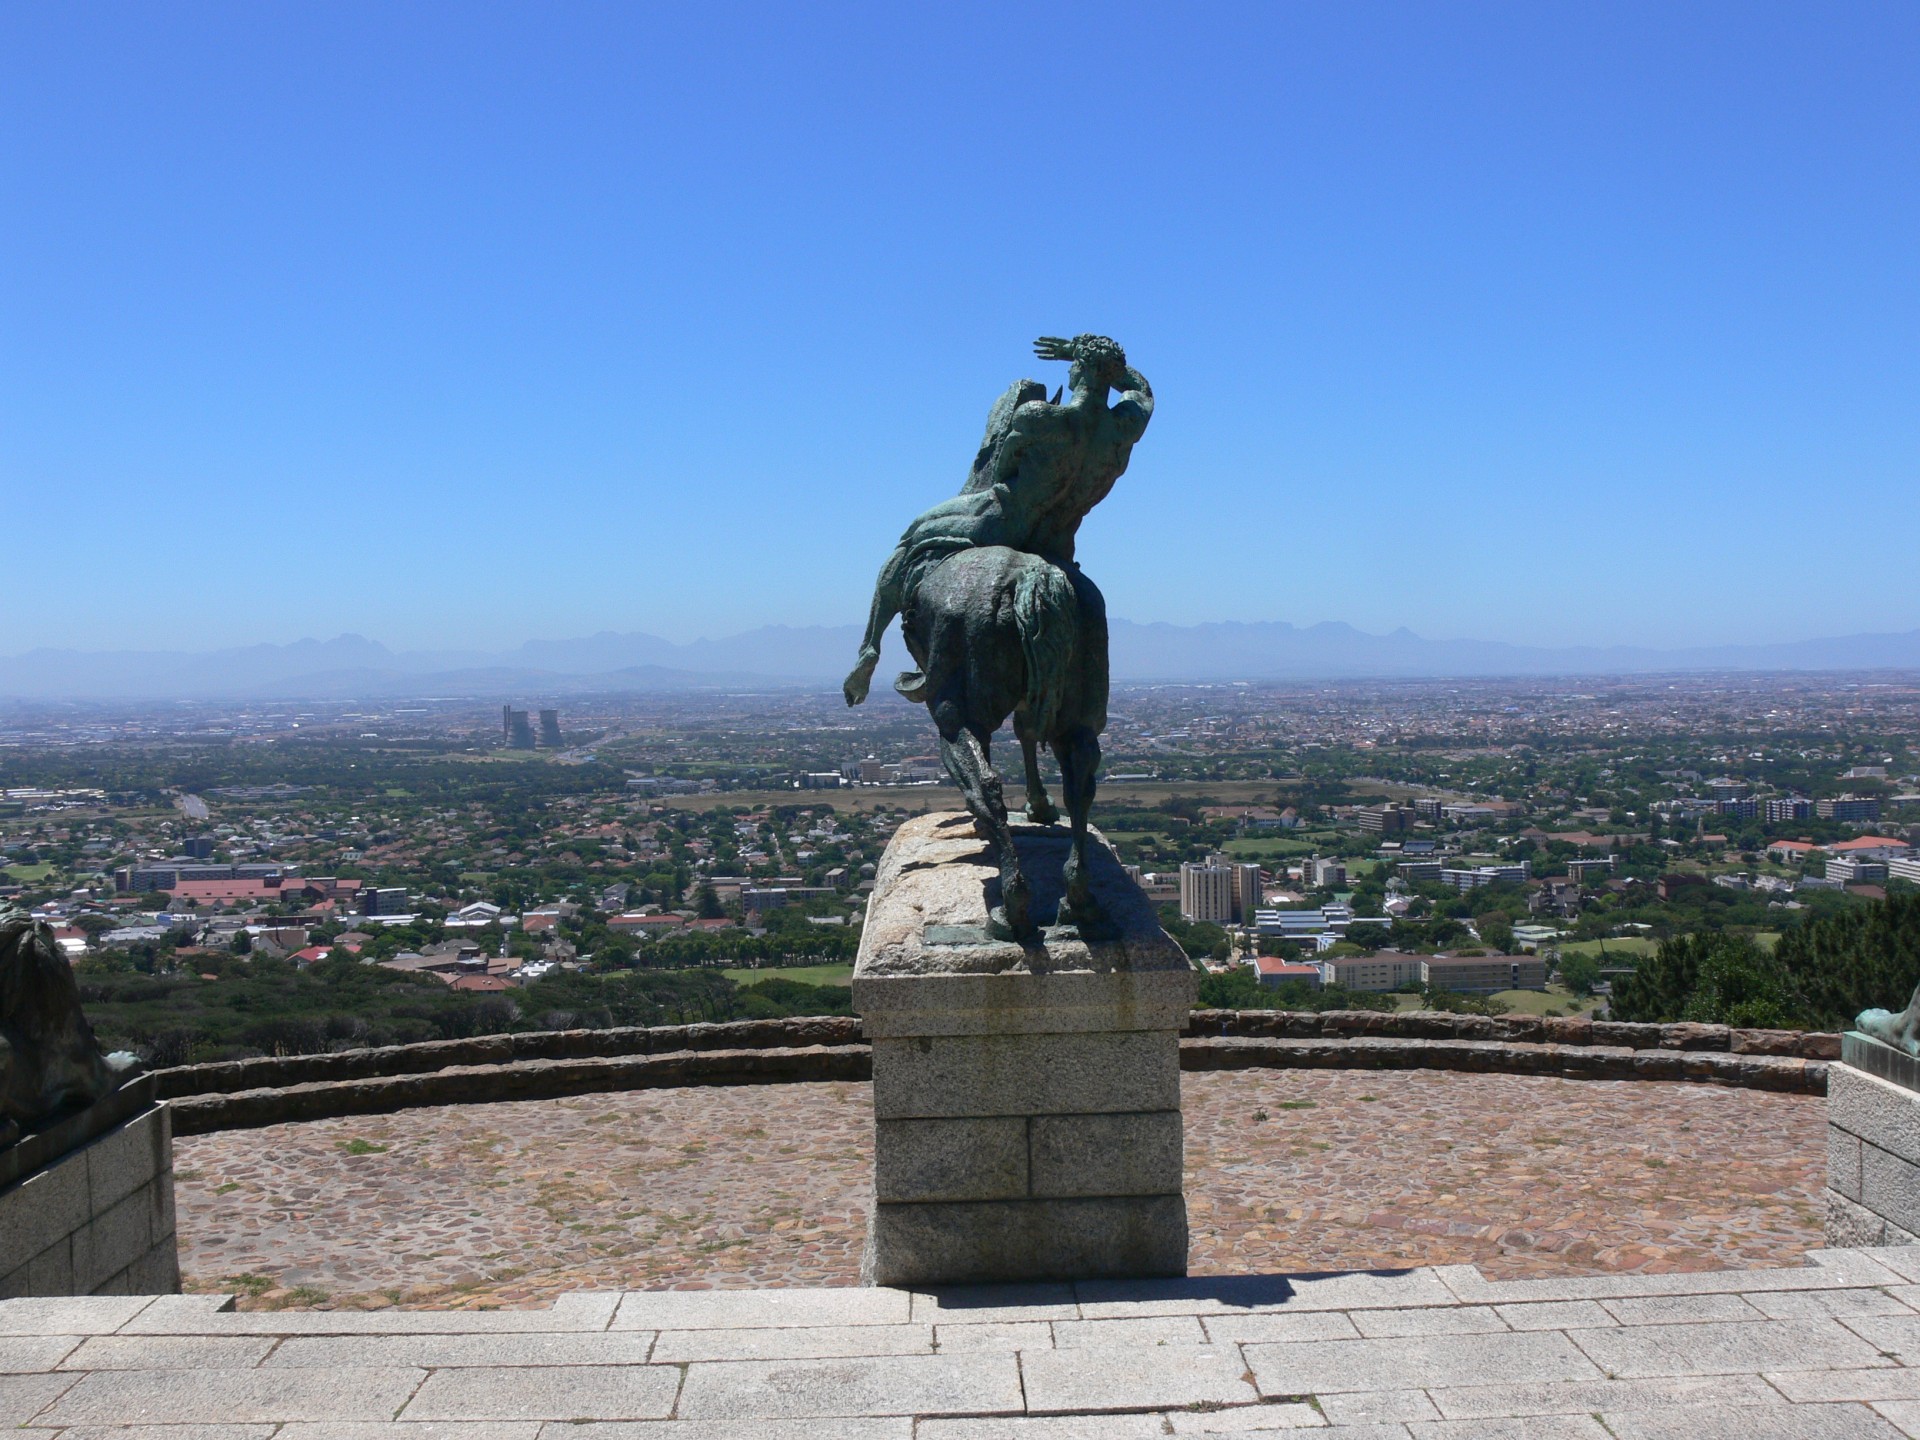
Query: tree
x: 1369, y: 936
x: 706, y: 902
x: 1579, y: 972
x: 1496, y: 931
x: 1714, y: 978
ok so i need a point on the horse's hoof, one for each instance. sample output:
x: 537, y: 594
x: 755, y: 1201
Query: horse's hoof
x: 1041, y: 815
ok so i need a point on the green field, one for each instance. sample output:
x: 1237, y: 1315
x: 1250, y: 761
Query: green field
x: 1259, y: 848
x: 29, y: 874
x: 1524, y: 1002
x: 805, y: 974
x: 1620, y: 946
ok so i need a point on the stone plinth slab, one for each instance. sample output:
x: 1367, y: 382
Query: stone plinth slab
x: 1026, y: 1097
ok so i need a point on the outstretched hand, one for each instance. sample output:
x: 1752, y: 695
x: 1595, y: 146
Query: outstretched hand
x: 1053, y: 347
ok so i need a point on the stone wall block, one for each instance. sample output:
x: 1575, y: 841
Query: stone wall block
x: 1890, y: 1187
x: 1850, y: 1225
x: 1107, y: 1154
x: 1880, y: 1113
x: 124, y: 1160
x: 949, y: 1159
x: 1843, y: 1162
x: 41, y: 1209
x: 1088, y: 1073
x: 51, y: 1271
x: 1030, y: 1240
x: 157, y: 1272
x: 113, y: 1242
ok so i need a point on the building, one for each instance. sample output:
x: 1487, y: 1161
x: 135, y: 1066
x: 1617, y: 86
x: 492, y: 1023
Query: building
x: 1249, y: 892
x: 1592, y: 872
x: 1472, y: 879
x: 1785, y: 809
x: 1385, y: 819
x: 1790, y: 852
x: 1272, y: 971
x: 1418, y: 872
x: 1727, y: 788
x: 1206, y: 893
x: 818, y: 780
x: 1326, y: 874
x: 199, y: 847
x: 550, y: 729
x: 754, y: 900
x: 1428, y: 807
x: 1847, y: 807
x: 1872, y: 847
x: 1857, y: 870
x: 1740, y: 808
x: 516, y: 728
x: 1483, y: 974
x: 1675, y: 881
x: 1905, y: 867
x: 168, y: 874
x: 1380, y: 972
x: 391, y: 900
x: 1468, y: 814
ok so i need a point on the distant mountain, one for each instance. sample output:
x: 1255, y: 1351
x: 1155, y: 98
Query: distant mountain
x: 352, y: 666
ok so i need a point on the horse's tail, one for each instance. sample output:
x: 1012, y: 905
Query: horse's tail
x: 1044, y: 612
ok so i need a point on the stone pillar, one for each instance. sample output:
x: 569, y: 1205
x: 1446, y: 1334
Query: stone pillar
x: 1026, y: 1099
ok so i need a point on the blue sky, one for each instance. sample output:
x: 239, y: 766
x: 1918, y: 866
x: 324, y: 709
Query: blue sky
x: 460, y: 324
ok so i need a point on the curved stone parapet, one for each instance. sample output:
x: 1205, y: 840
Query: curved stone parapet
x: 542, y: 1065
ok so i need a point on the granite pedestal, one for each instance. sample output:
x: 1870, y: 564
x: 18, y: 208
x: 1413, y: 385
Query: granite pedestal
x: 1873, y: 1145
x: 86, y: 1205
x: 1026, y: 1097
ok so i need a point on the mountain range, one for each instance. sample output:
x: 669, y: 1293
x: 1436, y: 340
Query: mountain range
x: 354, y: 667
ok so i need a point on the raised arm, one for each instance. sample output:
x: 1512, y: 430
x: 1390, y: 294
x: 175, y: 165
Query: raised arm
x: 1134, y: 408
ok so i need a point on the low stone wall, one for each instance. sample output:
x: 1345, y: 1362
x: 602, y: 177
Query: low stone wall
x: 277, y: 1071
x: 98, y: 1220
x: 544, y: 1064
x: 1512, y: 1029
x: 519, y: 1080
x: 1568, y: 1062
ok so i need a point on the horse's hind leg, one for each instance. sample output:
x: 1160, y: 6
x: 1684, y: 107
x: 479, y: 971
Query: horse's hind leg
x: 1079, y: 755
x: 966, y: 759
x: 1040, y: 809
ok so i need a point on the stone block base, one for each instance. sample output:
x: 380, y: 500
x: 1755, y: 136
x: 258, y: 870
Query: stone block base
x: 1026, y: 1099
x: 96, y: 1221
x: 968, y: 1243
x: 1873, y: 1146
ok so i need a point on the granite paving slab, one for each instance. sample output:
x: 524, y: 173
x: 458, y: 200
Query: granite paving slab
x: 1359, y: 1356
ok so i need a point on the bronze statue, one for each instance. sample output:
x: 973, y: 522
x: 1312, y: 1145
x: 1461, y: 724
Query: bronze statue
x: 1901, y: 1031
x: 999, y: 617
x: 50, y: 1064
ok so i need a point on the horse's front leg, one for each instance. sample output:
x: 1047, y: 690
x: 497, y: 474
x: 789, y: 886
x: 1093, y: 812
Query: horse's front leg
x: 965, y: 756
x: 1040, y: 809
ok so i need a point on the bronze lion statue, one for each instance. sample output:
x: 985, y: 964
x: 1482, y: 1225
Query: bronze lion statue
x: 50, y: 1064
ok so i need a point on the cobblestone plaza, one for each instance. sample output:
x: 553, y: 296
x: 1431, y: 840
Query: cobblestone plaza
x: 742, y: 1186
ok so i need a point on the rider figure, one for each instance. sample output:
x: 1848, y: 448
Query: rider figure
x: 1041, y: 467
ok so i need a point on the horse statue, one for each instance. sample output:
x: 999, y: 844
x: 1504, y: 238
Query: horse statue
x: 1001, y: 633
x: 50, y: 1064
x: 1002, y: 622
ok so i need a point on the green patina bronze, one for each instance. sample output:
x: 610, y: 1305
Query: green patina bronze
x: 999, y: 617
x: 1902, y: 1031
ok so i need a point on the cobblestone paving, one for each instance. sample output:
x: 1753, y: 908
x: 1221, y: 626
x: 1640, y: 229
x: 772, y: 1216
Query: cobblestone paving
x: 512, y: 1204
